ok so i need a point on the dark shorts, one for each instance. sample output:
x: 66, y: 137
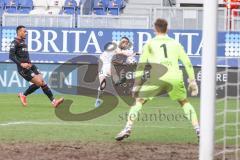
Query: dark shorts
x: 28, y: 74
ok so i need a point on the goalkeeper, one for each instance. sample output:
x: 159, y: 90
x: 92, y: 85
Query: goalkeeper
x: 162, y: 53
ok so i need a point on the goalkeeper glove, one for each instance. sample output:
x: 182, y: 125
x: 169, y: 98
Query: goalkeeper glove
x: 193, y: 87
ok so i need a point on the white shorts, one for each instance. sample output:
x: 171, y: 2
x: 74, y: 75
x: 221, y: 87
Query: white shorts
x: 105, y: 70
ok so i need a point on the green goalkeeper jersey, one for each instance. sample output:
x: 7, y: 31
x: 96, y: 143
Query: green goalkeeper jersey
x: 167, y: 52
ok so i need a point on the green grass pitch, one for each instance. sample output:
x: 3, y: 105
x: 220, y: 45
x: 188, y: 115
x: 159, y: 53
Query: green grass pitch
x: 38, y: 122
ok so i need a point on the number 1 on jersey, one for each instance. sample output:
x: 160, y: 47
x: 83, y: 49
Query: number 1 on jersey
x: 164, y: 49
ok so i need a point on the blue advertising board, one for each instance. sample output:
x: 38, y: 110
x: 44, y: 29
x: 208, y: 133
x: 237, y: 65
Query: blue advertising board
x: 57, y: 45
x: 11, y: 81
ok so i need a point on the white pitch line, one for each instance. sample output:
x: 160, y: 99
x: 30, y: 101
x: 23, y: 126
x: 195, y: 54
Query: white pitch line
x: 6, y: 124
x: 151, y: 107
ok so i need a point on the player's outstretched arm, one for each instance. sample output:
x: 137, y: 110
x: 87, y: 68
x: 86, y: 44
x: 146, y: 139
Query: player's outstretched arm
x: 127, y: 53
x: 192, y: 84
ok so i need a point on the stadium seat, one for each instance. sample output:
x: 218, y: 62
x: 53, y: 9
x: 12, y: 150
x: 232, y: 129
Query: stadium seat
x: 100, y: 7
x: 25, y: 6
x: 11, y: 6
x: 85, y: 7
x: 79, y: 4
x: 69, y: 7
x: 40, y: 7
x: 55, y: 6
x: 2, y: 5
x: 114, y: 7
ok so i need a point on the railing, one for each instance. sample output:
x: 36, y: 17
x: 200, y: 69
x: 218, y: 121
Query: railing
x: 139, y: 11
x: 97, y: 21
x: 38, y: 20
x: 179, y: 2
x: 186, y: 17
x: 178, y: 18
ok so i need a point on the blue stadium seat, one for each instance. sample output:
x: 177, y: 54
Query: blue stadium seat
x: 25, y: 6
x: 70, y: 7
x: 105, y: 3
x: 100, y: 7
x: 115, y: 6
x: 11, y: 6
x: 81, y: 2
x: 2, y: 5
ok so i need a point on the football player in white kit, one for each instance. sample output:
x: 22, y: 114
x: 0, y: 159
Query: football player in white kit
x: 106, y: 68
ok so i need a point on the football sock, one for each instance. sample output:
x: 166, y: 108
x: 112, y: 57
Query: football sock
x: 30, y: 89
x: 99, y: 93
x: 48, y: 92
x: 133, y: 114
x: 101, y: 88
x: 191, y: 115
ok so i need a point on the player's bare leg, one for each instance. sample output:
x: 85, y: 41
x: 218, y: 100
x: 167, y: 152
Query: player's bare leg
x: 38, y: 81
x: 132, y: 116
x: 191, y: 114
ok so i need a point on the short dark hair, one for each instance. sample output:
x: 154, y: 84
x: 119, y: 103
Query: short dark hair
x: 19, y: 27
x: 124, y: 37
x: 161, y: 25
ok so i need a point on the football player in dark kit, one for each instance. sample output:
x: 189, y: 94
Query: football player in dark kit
x: 19, y: 55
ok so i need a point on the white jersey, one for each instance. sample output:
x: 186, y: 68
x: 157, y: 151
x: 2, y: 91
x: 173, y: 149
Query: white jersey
x: 106, y: 58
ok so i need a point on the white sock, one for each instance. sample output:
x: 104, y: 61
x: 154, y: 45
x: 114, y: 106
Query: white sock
x: 128, y: 126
